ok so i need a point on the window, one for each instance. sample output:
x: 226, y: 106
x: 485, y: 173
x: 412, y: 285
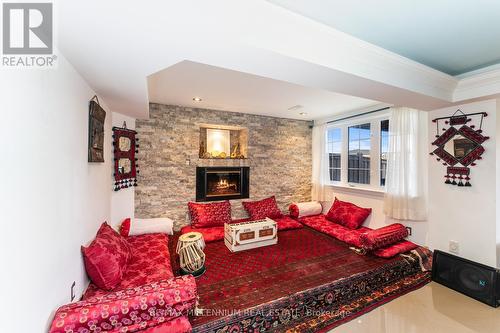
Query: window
x: 357, y: 151
x: 384, y: 149
x: 334, y: 146
x: 359, y: 154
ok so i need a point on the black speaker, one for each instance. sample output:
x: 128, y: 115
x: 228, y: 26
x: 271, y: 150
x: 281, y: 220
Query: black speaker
x: 476, y: 280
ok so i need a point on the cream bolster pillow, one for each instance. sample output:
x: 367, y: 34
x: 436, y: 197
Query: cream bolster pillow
x: 151, y: 226
x: 306, y: 209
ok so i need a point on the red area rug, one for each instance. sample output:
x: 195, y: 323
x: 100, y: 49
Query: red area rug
x: 307, y: 282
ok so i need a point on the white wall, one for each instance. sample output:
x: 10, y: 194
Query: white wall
x: 122, y: 201
x: 466, y: 214
x: 53, y: 200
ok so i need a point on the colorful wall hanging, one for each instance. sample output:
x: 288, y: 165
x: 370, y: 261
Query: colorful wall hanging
x: 126, y: 147
x: 459, y: 145
x: 97, y: 115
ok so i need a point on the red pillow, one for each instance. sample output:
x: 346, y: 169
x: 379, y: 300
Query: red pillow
x: 382, y: 237
x: 348, y: 214
x: 106, y: 258
x: 210, y: 215
x: 261, y: 209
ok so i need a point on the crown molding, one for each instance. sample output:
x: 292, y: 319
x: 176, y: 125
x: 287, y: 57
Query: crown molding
x: 334, y: 49
x: 481, y: 83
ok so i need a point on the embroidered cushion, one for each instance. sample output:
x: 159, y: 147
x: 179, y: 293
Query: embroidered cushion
x: 135, y: 227
x: 382, y: 237
x: 321, y: 224
x: 395, y: 249
x: 210, y: 215
x: 347, y: 214
x: 210, y: 234
x: 149, y: 262
x: 285, y: 222
x: 139, y: 309
x: 106, y: 258
x: 263, y: 208
x: 301, y: 209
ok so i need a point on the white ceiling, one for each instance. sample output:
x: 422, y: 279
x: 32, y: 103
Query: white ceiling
x: 126, y: 41
x: 228, y: 90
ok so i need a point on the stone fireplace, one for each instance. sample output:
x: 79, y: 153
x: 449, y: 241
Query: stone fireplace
x: 277, y: 150
x: 222, y: 183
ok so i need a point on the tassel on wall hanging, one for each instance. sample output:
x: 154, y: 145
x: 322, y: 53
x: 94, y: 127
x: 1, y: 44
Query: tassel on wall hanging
x: 459, y: 144
x: 126, y: 147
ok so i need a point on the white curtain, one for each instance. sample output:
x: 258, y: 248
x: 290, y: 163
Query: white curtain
x: 406, y: 178
x: 319, y: 163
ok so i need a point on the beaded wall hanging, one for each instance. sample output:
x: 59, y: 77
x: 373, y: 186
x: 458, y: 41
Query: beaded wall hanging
x: 459, y: 145
x: 125, y: 146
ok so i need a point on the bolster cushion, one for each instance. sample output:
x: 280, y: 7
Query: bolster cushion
x: 136, y: 227
x: 301, y: 209
x: 382, y: 237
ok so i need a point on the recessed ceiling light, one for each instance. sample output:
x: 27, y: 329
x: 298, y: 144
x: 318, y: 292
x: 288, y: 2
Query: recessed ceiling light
x: 303, y: 113
x: 295, y: 107
x: 197, y: 99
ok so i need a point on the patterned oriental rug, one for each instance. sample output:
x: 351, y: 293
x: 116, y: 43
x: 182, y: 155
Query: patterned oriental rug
x: 308, y: 282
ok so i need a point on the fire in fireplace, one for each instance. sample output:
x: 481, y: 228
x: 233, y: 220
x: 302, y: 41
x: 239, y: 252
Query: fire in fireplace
x: 222, y: 183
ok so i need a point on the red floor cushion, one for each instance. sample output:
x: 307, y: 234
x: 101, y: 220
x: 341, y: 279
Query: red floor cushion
x: 322, y: 224
x: 106, y: 258
x: 214, y: 234
x: 395, y: 249
x: 149, y: 262
x: 287, y: 223
x: 177, y: 325
x: 258, y: 210
x: 131, y: 310
x: 347, y: 214
x: 213, y: 214
x: 210, y: 234
x: 353, y: 237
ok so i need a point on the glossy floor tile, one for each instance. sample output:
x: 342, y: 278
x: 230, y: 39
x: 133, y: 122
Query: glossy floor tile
x: 433, y: 308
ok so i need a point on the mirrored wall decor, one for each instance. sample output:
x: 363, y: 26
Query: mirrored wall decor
x: 459, y: 144
x: 126, y: 147
x: 97, y: 116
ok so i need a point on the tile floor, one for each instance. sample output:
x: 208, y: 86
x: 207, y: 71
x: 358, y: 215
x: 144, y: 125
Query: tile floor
x: 433, y: 308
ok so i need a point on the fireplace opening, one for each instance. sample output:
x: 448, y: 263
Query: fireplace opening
x: 221, y: 183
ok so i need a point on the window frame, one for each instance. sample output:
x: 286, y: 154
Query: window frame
x: 375, y: 121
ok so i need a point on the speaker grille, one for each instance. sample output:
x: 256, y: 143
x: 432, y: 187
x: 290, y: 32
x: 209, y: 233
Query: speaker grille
x: 475, y: 280
x: 470, y: 278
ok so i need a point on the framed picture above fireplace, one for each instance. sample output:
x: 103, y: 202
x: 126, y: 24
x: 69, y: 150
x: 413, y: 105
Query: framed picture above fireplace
x: 222, y: 183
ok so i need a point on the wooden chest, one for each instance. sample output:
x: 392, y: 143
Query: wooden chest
x: 248, y: 235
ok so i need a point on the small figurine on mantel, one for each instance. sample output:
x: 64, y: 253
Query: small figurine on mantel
x: 236, y: 151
